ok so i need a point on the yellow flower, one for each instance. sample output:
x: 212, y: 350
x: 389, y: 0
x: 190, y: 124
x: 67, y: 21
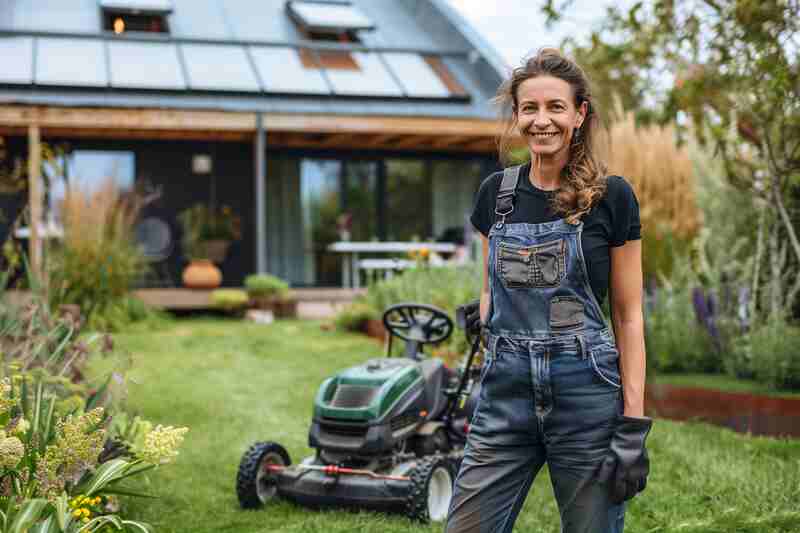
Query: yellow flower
x: 161, y: 444
x: 77, y: 513
x: 11, y: 451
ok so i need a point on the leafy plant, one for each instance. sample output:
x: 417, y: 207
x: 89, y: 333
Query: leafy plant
x: 266, y: 286
x: 769, y: 355
x: 201, y: 223
x: 229, y: 299
x: 354, y: 317
x: 443, y: 287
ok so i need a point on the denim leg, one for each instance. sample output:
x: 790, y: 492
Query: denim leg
x: 503, y: 454
x: 577, y: 434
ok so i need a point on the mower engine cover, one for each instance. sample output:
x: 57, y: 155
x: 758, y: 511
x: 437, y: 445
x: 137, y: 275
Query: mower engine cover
x: 367, y: 409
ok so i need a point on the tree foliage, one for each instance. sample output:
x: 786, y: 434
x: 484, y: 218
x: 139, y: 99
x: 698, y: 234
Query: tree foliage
x: 728, y: 72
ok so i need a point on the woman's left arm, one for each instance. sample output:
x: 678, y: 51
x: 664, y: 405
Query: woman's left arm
x: 628, y: 321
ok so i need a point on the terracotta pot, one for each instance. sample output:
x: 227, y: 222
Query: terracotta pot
x: 216, y: 249
x: 201, y: 274
x: 374, y: 328
x: 285, y: 308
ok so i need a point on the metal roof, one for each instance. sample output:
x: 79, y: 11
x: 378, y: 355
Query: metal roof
x: 218, y: 56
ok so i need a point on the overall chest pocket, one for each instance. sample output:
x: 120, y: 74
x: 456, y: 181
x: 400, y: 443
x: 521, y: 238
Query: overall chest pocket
x: 542, y: 265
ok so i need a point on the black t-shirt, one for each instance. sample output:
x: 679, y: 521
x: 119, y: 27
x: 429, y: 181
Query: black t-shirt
x: 611, y: 222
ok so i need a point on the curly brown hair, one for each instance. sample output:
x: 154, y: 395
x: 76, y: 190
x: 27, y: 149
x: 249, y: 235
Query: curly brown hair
x: 583, y: 179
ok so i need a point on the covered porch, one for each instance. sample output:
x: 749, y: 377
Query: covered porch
x: 289, y: 175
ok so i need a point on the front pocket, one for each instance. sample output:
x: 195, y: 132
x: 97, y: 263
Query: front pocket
x: 566, y: 312
x: 543, y: 265
x: 605, y: 363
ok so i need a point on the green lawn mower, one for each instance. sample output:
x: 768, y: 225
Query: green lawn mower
x: 388, y: 434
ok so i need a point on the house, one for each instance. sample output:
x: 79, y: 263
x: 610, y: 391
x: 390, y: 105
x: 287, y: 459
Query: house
x: 290, y: 112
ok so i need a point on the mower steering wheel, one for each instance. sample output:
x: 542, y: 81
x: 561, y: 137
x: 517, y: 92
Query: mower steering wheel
x: 422, y: 323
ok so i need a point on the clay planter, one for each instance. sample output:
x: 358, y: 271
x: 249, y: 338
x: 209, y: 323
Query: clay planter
x: 374, y: 328
x: 285, y: 308
x: 201, y: 274
x: 282, y: 308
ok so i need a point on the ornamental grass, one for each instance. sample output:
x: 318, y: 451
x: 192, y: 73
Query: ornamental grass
x: 663, y: 177
x: 98, y: 260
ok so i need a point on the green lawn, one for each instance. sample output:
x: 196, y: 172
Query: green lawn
x: 234, y: 383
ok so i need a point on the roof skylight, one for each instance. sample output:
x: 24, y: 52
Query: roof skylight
x: 318, y: 17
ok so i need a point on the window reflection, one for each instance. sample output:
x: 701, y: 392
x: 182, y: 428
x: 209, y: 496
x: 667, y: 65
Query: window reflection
x: 408, y: 200
x: 87, y: 171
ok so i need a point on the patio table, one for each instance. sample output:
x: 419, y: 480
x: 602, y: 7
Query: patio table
x: 351, y: 249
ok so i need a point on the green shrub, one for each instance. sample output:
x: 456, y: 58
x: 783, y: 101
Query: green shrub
x: 770, y: 354
x: 265, y: 286
x: 675, y: 341
x: 354, y: 317
x: 229, y: 299
x: 443, y: 287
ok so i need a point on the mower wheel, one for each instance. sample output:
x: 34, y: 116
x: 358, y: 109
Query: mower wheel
x: 431, y: 490
x: 255, y: 485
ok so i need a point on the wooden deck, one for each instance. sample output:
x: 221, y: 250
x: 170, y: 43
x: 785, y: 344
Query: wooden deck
x: 312, y: 303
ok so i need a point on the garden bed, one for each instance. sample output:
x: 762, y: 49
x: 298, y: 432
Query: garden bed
x: 745, y: 412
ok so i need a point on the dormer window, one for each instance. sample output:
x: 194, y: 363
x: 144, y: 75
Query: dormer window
x: 320, y: 20
x: 147, y: 16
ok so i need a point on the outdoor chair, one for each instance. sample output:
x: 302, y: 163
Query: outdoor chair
x: 154, y: 237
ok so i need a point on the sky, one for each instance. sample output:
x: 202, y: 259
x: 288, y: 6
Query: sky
x: 516, y: 27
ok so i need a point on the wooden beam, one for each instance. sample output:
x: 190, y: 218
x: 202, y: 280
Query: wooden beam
x: 35, y: 198
x: 174, y: 120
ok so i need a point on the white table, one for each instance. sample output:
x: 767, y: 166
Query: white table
x: 351, y: 249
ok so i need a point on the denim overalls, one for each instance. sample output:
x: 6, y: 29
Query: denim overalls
x: 550, y: 383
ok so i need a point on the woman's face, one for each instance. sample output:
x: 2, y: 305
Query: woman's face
x: 546, y: 114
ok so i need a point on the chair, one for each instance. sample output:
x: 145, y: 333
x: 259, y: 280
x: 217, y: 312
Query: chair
x: 154, y: 237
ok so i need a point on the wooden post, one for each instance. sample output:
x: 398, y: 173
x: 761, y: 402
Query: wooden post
x: 261, y: 194
x: 35, y: 199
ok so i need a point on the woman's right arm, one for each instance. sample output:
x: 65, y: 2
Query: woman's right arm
x: 485, y: 295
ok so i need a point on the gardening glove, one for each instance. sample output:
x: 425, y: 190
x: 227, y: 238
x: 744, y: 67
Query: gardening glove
x: 626, y: 467
x: 468, y: 317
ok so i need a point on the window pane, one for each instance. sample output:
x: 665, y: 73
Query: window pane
x: 371, y: 78
x: 360, y: 185
x: 138, y: 6
x: 215, y: 67
x: 17, y: 54
x: 314, y: 16
x: 416, y: 75
x: 454, y: 186
x: 89, y: 170
x: 145, y: 65
x: 71, y: 62
x: 408, y: 200
x: 282, y: 71
x: 321, y: 206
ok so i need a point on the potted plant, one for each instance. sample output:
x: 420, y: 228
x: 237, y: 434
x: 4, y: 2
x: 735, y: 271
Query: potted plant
x: 271, y: 292
x: 207, y: 233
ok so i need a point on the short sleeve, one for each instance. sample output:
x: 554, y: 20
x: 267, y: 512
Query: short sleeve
x: 482, y: 216
x: 626, y: 224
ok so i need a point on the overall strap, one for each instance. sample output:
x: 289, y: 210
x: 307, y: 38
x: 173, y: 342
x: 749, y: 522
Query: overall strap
x: 504, y: 205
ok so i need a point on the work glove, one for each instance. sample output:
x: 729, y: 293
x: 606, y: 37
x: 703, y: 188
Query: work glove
x: 468, y: 317
x: 626, y: 466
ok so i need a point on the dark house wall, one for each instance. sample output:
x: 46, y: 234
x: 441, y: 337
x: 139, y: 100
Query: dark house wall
x: 168, y: 166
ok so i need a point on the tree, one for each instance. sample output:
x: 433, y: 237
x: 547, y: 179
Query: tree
x: 729, y: 72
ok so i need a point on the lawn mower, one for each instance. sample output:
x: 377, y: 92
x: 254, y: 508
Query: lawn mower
x: 388, y: 434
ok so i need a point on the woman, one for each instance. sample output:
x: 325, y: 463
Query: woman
x: 556, y: 385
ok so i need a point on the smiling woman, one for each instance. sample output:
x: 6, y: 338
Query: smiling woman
x: 558, y: 386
